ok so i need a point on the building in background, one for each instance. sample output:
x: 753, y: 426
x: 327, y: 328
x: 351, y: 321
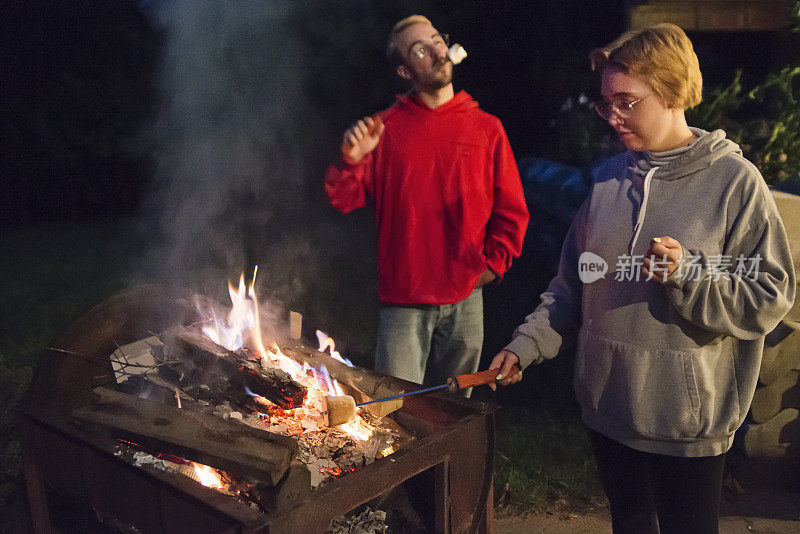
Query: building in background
x: 727, y: 34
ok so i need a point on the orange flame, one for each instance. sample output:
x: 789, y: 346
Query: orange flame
x: 207, y: 476
x: 242, y: 326
x: 326, y: 341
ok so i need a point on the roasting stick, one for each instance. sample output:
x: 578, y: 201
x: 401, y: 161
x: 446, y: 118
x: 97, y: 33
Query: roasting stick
x: 342, y: 409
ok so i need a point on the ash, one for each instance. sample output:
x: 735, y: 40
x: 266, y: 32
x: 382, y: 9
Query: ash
x: 332, y: 452
x: 368, y: 521
x: 148, y: 368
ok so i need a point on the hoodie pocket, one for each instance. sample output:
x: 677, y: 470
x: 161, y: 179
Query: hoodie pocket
x: 653, y: 391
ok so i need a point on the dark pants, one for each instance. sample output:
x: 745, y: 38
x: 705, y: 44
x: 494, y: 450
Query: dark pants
x: 647, y: 491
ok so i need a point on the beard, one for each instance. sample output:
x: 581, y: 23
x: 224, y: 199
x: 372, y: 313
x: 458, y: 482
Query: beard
x: 440, y: 76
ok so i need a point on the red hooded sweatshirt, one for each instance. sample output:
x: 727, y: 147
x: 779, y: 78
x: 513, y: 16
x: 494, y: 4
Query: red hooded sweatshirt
x: 448, y: 199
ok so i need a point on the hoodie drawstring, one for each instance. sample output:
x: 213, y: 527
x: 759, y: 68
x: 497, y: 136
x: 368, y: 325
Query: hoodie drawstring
x: 640, y: 218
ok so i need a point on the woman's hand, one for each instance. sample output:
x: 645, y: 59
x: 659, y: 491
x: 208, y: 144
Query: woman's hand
x: 505, y: 361
x: 662, y: 258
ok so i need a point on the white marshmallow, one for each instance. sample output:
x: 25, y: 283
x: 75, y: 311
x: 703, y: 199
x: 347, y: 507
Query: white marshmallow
x: 456, y: 54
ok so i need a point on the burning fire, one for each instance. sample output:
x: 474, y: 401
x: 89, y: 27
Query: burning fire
x: 242, y: 327
x: 207, y: 476
x: 326, y: 341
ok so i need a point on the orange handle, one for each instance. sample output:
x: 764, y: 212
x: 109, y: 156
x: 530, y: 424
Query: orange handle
x: 477, y: 379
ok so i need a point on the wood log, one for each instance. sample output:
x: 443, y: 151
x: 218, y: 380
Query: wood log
x: 294, y: 486
x: 272, y: 384
x: 202, y: 438
x: 362, y: 384
x: 382, y: 409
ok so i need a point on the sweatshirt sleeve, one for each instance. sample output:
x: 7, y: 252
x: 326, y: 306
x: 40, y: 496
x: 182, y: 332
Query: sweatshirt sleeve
x: 557, y: 318
x: 505, y: 230
x: 745, y: 291
x: 746, y: 304
x: 348, y: 184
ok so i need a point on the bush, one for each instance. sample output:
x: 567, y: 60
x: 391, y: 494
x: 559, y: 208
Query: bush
x: 764, y: 121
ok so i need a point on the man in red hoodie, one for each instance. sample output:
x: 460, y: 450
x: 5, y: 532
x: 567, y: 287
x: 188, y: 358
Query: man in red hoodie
x: 449, y: 207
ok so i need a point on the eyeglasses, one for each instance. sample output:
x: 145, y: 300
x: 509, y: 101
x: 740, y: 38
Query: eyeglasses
x: 621, y: 106
x: 420, y: 49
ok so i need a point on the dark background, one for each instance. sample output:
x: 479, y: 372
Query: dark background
x: 79, y: 84
x: 97, y: 128
x: 185, y: 142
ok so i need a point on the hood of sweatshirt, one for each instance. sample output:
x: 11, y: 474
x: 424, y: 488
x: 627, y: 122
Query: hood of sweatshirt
x: 700, y: 155
x: 703, y: 152
x: 461, y: 101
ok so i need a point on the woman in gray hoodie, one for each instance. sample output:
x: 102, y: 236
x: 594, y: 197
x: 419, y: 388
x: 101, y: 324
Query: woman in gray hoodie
x: 672, y: 272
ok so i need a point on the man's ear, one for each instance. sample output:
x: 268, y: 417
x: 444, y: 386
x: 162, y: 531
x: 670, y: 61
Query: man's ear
x: 403, y: 72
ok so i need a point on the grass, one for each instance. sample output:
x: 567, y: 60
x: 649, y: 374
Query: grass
x: 542, y: 461
x: 51, y: 273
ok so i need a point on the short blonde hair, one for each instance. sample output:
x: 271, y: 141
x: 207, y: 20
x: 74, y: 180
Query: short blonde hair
x: 393, y: 54
x: 662, y: 56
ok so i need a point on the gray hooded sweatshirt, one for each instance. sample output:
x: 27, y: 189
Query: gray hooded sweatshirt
x: 667, y: 368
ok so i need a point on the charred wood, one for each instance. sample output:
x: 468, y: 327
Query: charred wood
x: 215, y: 363
x: 200, y: 437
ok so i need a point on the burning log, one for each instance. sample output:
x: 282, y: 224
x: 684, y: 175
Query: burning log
x: 274, y: 385
x: 188, y: 434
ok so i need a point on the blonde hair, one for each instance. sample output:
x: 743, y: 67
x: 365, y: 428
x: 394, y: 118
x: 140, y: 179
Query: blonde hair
x: 662, y: 56
x: 393, y: 54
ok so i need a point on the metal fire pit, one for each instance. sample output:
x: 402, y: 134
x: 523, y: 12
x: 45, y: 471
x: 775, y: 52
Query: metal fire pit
x: 449, y: 464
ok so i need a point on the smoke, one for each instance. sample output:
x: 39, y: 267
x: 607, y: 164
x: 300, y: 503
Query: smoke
x: 228, y: 144
x: 239, y: 153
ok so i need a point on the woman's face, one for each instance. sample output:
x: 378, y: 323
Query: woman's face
x: 647, y: 124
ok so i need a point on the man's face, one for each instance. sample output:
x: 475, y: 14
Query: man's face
x: 424, y: 54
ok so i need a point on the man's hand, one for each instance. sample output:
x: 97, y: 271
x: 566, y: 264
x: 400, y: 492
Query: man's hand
x: 667, y: 254
x: 487, y: 276
x: 362, y: 138
x: 504, y: 361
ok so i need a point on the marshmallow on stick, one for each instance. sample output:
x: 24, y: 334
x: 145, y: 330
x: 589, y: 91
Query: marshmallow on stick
x: 341, y: 409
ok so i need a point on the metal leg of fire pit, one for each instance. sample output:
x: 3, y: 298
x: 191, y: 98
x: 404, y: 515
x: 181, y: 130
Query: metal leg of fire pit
x: 441, y: 488
x: 429, y: 493
x: 487, y: 525
x: 34, y: 484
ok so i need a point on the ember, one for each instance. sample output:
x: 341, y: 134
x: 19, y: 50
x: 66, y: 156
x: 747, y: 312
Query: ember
x: 75, y: 417
x: 335, y: 471
x: 224, y: 367
x: 242, y: 329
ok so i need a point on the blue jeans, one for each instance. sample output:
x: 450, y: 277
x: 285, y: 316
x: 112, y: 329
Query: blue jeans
x: 428, y: 343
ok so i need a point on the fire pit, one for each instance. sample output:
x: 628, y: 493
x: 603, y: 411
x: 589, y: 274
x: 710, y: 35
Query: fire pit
x: 106, y: 449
